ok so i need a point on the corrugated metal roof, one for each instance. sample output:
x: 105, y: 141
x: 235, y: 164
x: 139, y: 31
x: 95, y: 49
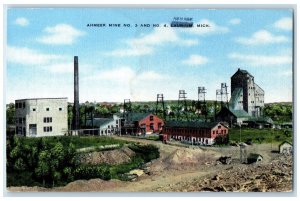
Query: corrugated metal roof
x: 138, y: 116
x: 239, y: 113
x: 99, y: 121
x: 191, y: 124
x: 261, y: 119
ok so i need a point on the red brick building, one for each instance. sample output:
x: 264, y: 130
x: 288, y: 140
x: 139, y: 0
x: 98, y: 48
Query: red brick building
x: 142, y: 123
x: 196, y: 132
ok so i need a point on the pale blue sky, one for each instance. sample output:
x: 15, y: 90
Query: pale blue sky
x: 139, y: 62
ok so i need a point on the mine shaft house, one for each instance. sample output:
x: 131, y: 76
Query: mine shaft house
x: 141, y: 124
x: 203, y: 133
x: 40, y: 117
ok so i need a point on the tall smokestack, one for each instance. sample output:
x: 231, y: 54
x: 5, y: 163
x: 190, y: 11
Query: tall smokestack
x: 76, y: 114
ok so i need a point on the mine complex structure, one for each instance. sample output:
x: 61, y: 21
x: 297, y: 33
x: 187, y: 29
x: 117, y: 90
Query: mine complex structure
x: 160, y: 106
x: 182, y: 105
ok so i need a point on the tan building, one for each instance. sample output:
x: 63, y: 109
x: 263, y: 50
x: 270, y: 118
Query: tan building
x: 286, y: 148
x: 40, y: 117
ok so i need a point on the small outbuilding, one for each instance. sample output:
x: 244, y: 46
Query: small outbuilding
x: 254, y: 158
x: 286, y: 148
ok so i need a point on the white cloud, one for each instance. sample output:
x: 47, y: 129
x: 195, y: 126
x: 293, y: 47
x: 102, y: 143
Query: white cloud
x: 26, y: 56
x: 286, y: 73
x: 159, y: 36
x: 235, y: 21
x: 60, y: 34
x: 212, y: 29
x: 145, y: 44
x: 150, y: 75
x: 49, y: 62
x: 22, y: 21
x: 125, y: 74
x: 262, y: 60
x: 284, y: 23
x: 121, y: 74
x: 138, y: 51
x: 195, y: 60
x: 261, y: 37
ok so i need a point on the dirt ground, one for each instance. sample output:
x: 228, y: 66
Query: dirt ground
x: 195, y: 169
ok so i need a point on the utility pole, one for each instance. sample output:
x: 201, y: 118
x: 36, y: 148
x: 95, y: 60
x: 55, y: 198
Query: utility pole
x: 240, y: 124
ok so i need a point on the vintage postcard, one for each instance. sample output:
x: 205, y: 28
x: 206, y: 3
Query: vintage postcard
x: 149, y: 99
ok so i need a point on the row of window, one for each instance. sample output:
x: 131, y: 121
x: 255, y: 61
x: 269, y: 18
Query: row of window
x: 20, y: 120
x: 257, y: 101
x: 109, y: 126
x: 48, y: 129
x: 222, y: 132
x: 47, y: 119
x: 186, y: 131
x: 20, y: 105
x: 151, y: 126
x: 47, y: 109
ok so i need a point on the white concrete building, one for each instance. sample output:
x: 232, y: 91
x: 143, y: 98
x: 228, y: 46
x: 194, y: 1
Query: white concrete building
x: 40, y: 117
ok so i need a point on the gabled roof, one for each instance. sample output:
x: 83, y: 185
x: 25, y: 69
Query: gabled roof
x: 99, y: 121
x: 191, y: 124
x: 243, y: 72
x: 254, y: 156
x: 285, y: 142
x: 138, y: 116
x: 236, y: 113
x: 257, y: 86
x: 239, y: 113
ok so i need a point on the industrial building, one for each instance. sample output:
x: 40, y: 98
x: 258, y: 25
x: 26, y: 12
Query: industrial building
x: 142, y: 123
x: 246, y: 103
x: 246, y: 94
x: 41, y: 117
x: 106, y: 126
x: 203, y: 133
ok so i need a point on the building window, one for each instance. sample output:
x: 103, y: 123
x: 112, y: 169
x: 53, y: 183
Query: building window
x: 219, y: 127
x: 159, y: 125
x: 34, y: 109
x: 151, y: 126
x: 47, y: 109
x: 48, y: 129
x: 151, y: 118
x: 117, y: 122
x: 47, y: 119
x: 23, y: 104
x: 60, y: 109
x: 213, y: 132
